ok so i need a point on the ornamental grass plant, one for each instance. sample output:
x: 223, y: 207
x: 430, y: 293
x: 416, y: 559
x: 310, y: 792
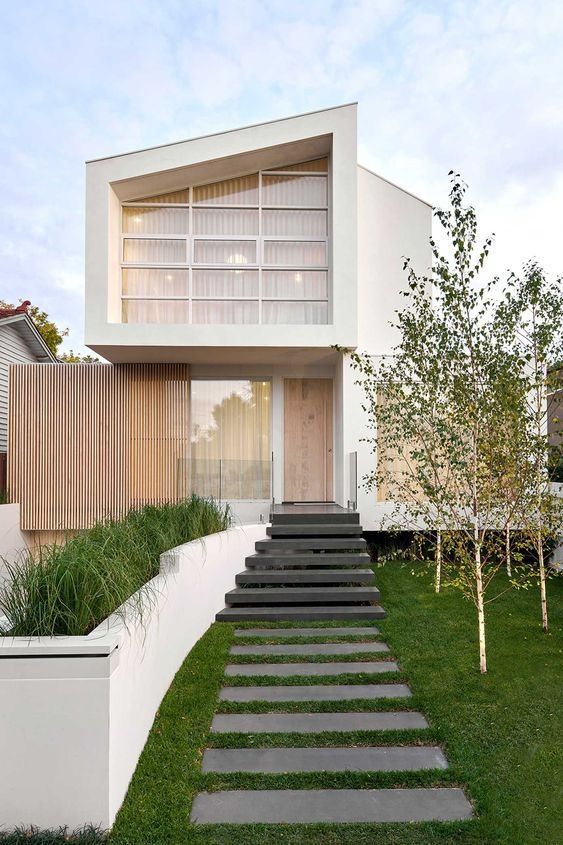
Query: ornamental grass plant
x: 68, y: 589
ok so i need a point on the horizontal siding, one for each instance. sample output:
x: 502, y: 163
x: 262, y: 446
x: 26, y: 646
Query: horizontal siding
x: 91, y: 441
x: 13, y: 350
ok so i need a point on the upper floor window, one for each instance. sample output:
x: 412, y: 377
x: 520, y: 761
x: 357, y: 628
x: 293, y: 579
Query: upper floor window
x: 254, y: 249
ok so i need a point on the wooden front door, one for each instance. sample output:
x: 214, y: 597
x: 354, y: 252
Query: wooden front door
x: 308, y: 440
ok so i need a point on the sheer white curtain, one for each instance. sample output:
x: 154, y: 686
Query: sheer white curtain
x: 295, y: 313
x: 294, y: 190
x: 156, y: 221
x: 297, y: 253
x: 241, y: 191
x: 222, y: 311
x: 153, y: 281
x: 225, y: 221
x: 221, y: 283
x: 305, y: 222
x: 155, y: 311
x: 230, y: 423
x: 295, y: 284
x: 154, y: 251
x: 225, y: 252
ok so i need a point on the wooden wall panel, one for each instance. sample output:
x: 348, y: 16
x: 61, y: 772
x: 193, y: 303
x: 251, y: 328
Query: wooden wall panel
x: 90, y: 441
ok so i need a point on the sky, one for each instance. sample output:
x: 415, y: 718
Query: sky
x: 476, y: 87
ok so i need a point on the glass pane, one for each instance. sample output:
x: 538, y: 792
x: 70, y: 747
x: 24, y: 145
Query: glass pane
x: 230, y: 436
x: 154, y: 282
x: 176, y: 196
x: 155, y: 311
x: 294, y: 190
x: 241, y: 191
x: 319, y: 165
x: 294, y: 313
x: 299, y: 253
x: 225, y: 283
x: 156, y: 221
x: 225, y: 221
x: 224, y: 311
x: 299, y: 222
x: 225, y: 252
x: 301, y: 284
x: 151, y: 251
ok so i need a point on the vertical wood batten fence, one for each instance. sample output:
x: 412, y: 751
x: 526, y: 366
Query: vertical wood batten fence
x: 91, y: 441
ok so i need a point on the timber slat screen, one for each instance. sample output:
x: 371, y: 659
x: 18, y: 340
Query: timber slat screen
x: 91, y: 441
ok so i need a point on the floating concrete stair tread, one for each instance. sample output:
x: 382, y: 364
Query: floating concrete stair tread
x: 315, y: 692
x: 310, y: 806
x: 399, y: 758
x: 297, y: 595
x: 315, y: 723
x: 310, y: 648
x: 311, y: 559
x: 287, y: 670
x: 306, y: 514
x: 307, y: 632
x: 333, y: 529
x: 300, y: 576
x: 299, y: 614
x: 318, y: 543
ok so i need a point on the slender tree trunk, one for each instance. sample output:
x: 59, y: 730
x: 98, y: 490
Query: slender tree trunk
x: 480, y: 609
x: 539, y: 534
x: 507, y: 545
x: 438, y: 580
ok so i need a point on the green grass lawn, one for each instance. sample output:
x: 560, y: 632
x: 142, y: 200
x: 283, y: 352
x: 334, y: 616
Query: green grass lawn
x: 501, y: 732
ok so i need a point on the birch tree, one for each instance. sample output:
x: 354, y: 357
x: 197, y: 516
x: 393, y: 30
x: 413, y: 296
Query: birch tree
x: 437, y: 409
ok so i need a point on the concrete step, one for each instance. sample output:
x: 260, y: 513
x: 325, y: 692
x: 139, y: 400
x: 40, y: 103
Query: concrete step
x: 309, y: 559
x: 299, y: 614
x: 315, y: 692
x: 316, y: 723
x: 300, y: 595
x: 392, y: 758
x: 273, y: 633
x: 310, y: 806
x: 289, y: 670
x: 310, y: 517
x: 309, y: 649
x: 277, y: 544
x: 328, y: 529
x: 305, y: 576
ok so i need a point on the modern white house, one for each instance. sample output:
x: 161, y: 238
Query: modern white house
x: 221, y: 272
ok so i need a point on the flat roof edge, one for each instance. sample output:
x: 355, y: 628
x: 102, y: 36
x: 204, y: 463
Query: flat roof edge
x: 222, y: 132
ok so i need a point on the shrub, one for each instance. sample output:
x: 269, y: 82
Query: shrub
x: 69, y: 589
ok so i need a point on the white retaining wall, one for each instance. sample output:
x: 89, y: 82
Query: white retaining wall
x: 75, y: 712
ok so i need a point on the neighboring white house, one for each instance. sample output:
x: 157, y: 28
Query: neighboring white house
x: 241, y: 259
x: 20, y: 343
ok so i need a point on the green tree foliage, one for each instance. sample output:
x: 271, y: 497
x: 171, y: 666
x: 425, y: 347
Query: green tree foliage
x: 52, y: 335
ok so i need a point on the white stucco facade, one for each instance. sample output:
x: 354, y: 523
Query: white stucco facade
x: 373, y: 225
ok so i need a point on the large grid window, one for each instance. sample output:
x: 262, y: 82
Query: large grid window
x: 249, y: 250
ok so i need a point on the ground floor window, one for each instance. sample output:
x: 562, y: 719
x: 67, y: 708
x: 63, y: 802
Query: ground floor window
x: 230, y: 438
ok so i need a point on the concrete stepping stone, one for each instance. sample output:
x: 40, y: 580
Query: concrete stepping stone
x: 307, y: 806
x: 306, y: 632
x: 315, y: 692
x: 408, y: 758
x: 315, y: 723
x: 284, y: 670
x: 278, y: 649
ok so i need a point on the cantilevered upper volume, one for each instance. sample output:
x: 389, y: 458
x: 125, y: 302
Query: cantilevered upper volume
x: 234, y: 247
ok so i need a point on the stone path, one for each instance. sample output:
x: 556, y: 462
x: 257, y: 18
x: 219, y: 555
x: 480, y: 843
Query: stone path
x: 277, y: 806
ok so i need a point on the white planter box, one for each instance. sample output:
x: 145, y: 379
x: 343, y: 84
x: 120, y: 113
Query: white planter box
x: 75, y: 712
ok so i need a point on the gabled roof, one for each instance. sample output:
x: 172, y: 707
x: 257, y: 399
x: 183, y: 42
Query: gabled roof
x: 28, y: 331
